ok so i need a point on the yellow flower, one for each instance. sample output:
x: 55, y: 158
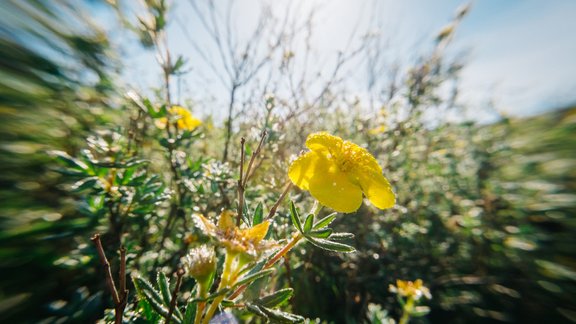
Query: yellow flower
x: 248, y: 241
x: 183, y: 117
x: 377, y: 130
x: 411, y: 289
x: 337, y: 172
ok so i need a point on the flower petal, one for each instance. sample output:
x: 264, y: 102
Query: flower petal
x: 325, y: 143
x: 333, y: 188
x: 377, y: 189
x: 256, y: 233
x: 363, y: 160
x: 226, y: 220
x: 302, y: 169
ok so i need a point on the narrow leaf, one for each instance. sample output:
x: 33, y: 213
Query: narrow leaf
x: 256, y: 310
x: 164, y: 285
x: 341, y: 236
x: 308, y: 223
x: 325, y: 221
x: 280, y: 316
x: 251, y: 277
x: 190, y: 313
x: 276, y: 298
x: 295, y: 217
x: 321, y: 233
x: 330, y: 245
x: 258, y: 215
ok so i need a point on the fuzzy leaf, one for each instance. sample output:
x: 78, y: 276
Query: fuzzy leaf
x: 341, y: 236
x: 325, y: 221
x: 330, y: 245
x: 258, y: 215
x: 190, y: 313
x: 308, y: 223
x: 321, y: 233
x: 256, y: 310
x: 164, y: 285
x: 295, y: 217
x: 278, y: 316
x: 251, y: 277
x: 276, y: 298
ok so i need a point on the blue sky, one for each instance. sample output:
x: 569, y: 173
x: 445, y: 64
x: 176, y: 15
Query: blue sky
x: 520, y: 53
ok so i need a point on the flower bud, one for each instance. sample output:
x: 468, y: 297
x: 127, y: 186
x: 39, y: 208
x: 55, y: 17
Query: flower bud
x: 201, y: 263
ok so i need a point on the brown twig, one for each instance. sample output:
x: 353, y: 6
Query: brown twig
x: 179, y: 273
x: 119, y: 300
x: 240, y: 183
x: 249, y: 170
x: 279, y: 201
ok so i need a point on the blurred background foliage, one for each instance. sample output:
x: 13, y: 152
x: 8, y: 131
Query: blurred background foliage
x: 485, y: 213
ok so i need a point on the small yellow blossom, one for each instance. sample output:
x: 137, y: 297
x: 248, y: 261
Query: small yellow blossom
x: 248, y: 241
x: 414, y: 290
x: 184, y: 119
x: 337, y: 172
x: 377, y: 130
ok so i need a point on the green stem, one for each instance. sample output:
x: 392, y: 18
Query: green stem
x: 407, y: 311
x: 224, y: 282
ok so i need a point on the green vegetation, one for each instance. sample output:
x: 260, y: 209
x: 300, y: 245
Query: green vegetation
x: 484, y: 214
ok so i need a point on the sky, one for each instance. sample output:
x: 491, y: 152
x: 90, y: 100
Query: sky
x: 520, y: 54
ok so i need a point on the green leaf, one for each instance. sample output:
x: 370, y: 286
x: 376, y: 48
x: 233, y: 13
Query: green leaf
x: 258, y: 215
x: 227, y: 303
x: 190, y: 313
x: 325, y: 221
x: 164, y: 285
x: 145, y: 289
x: 295, y: 217
x: 178, y: 65
x: 69, y: 161
x: 321, y: 233
x: 278, y: 316
x: 308, y: 223
x: 213, y: 186
x: 90, y: 182
x: 276, y: 298
x: 341, y: 236
x: 420, y: 311
x: 330, y: 245
x: 251, y: 277
x: 142, y: 285
x: 256, y: 310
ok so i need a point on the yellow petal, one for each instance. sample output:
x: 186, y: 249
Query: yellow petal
x: 257, y: 233
x: 161, y: 122
x: 325, y: 143
x: 185, y: 118
x: 226, y: 220
x: 362, y: 159
x: 302, y: 169
x: 333, y: 188
x: 189, y: 123
x: 205, y: 225
x: 377, y: 189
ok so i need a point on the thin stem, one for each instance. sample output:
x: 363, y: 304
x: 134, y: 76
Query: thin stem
x: 106, y: 266
x: 179, y: 273
x: 249, y: 171
x: 224, y: 281
x: 279, y: 201
x: 270, y: 262
x: 122, y: 274
x: 407, y: 311
x: 284, y: 250
x: 240, y: 183
x: 119, y: 302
